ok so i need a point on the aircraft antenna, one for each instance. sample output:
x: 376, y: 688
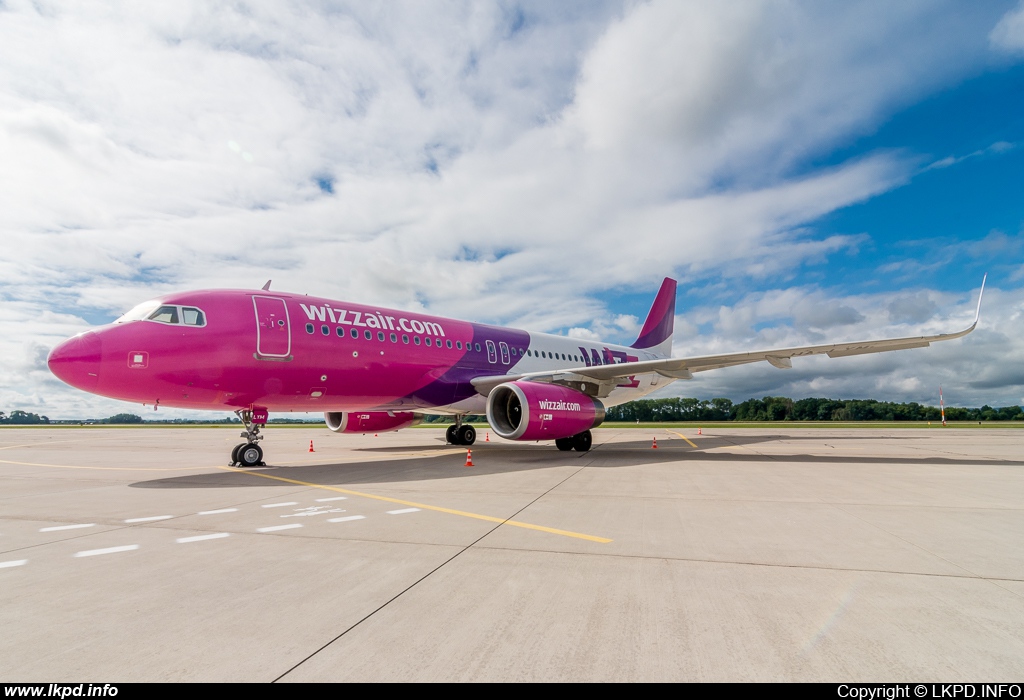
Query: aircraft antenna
x: 266, y: 287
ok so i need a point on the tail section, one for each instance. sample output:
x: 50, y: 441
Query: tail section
x: 656, y: 335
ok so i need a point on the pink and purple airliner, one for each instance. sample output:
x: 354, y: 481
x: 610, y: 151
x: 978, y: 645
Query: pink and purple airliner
x: 370, y: 369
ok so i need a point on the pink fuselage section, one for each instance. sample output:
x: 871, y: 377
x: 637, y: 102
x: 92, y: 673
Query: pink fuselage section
x: 286, y: 352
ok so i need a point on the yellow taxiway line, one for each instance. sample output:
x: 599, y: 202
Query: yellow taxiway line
x: 424, y: 506
x: 692, y: 444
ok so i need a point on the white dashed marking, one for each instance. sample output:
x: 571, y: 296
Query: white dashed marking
x: 336, y: 498
x: 281, y: 505
x: 403, y: 510
x: 217, y: 512
x: 346, y: 518
x: 66, y: 527
x: 149, y: 519
x: 200, y: 538
x: 313, y: 510
x: 15, y: 562
x: 275, y: 528
x: 108, y: 550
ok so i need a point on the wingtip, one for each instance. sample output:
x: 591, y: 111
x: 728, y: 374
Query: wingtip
x: 981, y: 293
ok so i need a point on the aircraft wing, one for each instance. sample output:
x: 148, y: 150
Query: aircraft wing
x: 684, y: 367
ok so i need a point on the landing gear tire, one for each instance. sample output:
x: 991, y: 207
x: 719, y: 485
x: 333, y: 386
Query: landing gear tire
x: 564, y: 444
x: 467, y: 435
x: 250, y: 455
x: 235, y: 451
x: 451, y: 436
x: 582, y: 442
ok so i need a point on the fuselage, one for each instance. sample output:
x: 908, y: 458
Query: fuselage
x: 233, y: 349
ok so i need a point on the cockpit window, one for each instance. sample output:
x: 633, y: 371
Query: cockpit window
x: 165, y: 314
x: 140, y: 312
x: 193, y: 317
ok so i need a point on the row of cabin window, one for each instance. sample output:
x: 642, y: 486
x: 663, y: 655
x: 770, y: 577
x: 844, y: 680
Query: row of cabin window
x: 326, y: 330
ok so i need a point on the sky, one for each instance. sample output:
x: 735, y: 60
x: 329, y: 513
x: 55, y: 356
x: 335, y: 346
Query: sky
x: 808, y: 171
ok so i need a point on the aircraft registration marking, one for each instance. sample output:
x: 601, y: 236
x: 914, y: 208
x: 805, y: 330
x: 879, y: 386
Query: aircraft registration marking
x: 107, y: 550
x: 423, y: 506
x: 55, y: 528
x: 200, y: 538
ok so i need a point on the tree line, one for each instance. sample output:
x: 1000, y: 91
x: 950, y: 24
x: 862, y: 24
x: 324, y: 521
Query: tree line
x: 781, y: 408
x: 769, y: 408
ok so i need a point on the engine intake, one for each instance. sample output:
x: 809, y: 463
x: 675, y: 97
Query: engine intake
x: 526, y: 410
x: 370, y: 421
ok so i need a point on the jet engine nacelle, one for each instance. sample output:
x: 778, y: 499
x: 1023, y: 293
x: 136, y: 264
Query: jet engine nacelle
x: 370, y: 421
x: 525, y: 410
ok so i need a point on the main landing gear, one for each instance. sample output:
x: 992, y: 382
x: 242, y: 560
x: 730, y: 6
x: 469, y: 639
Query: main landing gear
x: 249, y: 453
x: 580, y: 442
x: 459, y: 434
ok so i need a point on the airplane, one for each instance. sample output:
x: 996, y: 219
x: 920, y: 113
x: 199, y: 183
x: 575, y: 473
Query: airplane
x: 371, y: 369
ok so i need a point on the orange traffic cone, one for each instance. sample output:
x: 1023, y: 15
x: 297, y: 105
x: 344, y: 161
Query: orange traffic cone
x: 654, y: 446
x: 311, y: 446
x: 698, y: 431
x: 487, y: 436
x: 469, y: 458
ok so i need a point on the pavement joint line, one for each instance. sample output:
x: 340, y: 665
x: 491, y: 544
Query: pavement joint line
x: 429, y: 573
x: 424, y: 506
x: 929, y: 552
x: 767, y: 565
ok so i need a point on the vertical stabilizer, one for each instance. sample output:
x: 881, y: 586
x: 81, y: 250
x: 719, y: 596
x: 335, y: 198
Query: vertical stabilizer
x: 656, y: 335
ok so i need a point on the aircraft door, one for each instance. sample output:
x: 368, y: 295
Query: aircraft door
x: 273, y: 332
x: 504, y: 352
x: 492, y: 352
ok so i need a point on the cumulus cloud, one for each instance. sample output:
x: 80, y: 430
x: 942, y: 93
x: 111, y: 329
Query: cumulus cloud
x: 1008, y: 35
x: 972, y: 371
x: 502, y: 162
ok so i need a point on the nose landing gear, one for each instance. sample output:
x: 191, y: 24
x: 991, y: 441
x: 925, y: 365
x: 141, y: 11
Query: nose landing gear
x: 249, y: 453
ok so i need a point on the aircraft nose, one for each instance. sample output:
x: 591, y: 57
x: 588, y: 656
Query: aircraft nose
x: 76, y: 361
